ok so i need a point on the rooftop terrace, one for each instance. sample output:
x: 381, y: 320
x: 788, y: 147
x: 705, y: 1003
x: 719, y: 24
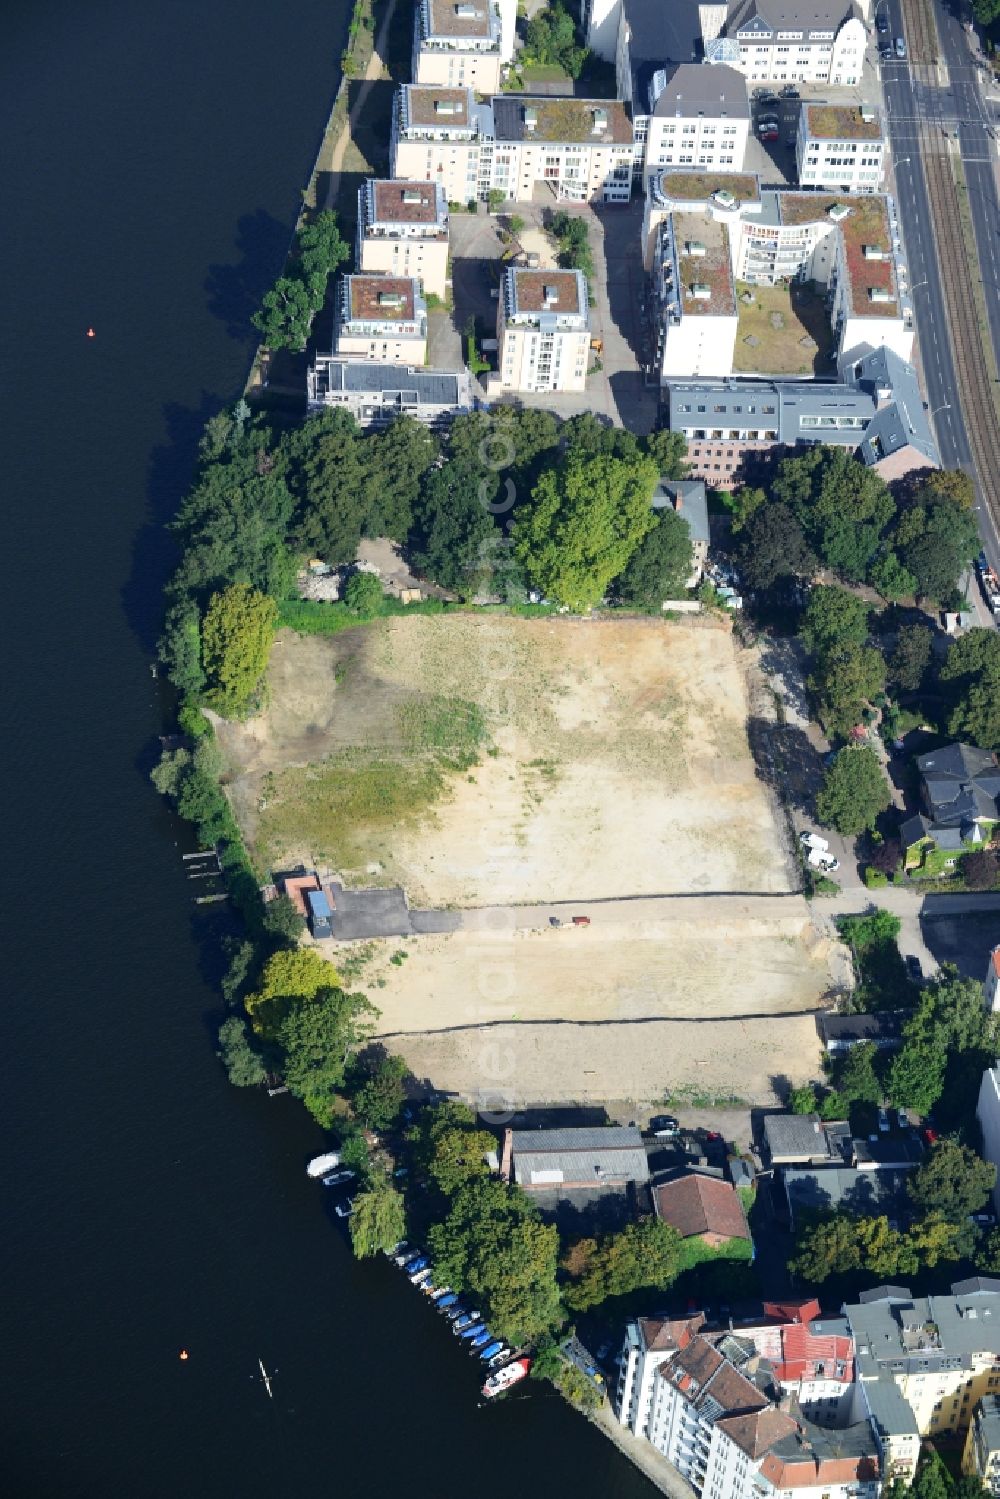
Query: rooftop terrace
x: 866, y: 224
x: 459, y: 18
x: 705, y: 263
x: 521, y: 117
x: 440, y: 107
x: 698, y: 187
x: 382, y: 299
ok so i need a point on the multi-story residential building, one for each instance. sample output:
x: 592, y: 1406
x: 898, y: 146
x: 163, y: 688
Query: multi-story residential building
x: 543, y: 331
x: 382, y: 318
x: 403, y: 231
x: 840, y: 147
x: 981, y: 1457
x: 581, y: 149
x: 712, y: 1405
x: 782, y: 41
x: 849, y: 249
x: 376, y: 393
x: 988, y: 1106
x: 463, y: 43
x: 993, y: 981
x: 940, y: 1354
x: 694, y: 296
x: 876, y: 410
x: 689, y: 115
x: 436, y: 137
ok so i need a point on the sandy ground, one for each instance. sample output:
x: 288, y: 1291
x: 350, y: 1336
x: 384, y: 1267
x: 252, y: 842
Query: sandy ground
x: 626, y: 1011
x: 621, y: 764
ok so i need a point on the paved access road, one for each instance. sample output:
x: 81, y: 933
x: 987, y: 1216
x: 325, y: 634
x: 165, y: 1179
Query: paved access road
x: 929, y: 102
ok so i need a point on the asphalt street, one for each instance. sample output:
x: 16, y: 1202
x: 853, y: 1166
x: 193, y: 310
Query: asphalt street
x: 921, y: 100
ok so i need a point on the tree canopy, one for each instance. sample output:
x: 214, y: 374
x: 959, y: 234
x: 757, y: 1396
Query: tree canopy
x: 952, y: 1182
x: 448, y: 1149
x: 834, y: 617
x: 772, y: 546
x: 289, y: 975
x: 236, y: 638
x: 551, y: 38
x: 378, y: 1221
x: 285, y: 318
x: 585, y: 520
x: 243, y: 1065
x: 847, y: 679
x: 318, y: 1036
x: 378, y: 1093
x: 639, y: 1255
x: 494, y: 1244
x: 660, y: 565
x: 854, y: 791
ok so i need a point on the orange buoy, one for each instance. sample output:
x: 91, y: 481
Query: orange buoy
x: 91, y: 333
x: 184, y: 1353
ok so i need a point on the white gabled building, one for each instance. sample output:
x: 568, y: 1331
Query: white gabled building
x: 784, y: 41
x: 463, y: 43
x: 840, y: 147
x: 382, y: 318
x: 543, y: 331
x: 691, y: 115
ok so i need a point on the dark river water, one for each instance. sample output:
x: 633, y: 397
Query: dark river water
x: 151, y: 156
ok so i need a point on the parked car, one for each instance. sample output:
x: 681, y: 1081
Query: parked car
x: 581, y: 920
x: 813, y: 840
x: 900, y: 48
x: 902, y: 1119
x: 886, y: 54
x: 765, y: 96
x: 913, y: 968
x: 883, y: 1121
x: 664, y: 1127
x: 881, y: 22
x: 770, y: 135
x: 790, y: 92
x: 930, y: 1136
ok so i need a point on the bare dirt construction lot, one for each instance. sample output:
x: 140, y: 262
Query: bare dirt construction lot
x: 493, y: 764
x: 698, y: 999
x: 490, y: 759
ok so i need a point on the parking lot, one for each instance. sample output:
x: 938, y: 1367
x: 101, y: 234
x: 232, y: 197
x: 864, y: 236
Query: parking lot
x: 618, y: 389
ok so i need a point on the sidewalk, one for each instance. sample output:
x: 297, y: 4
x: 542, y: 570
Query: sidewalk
x: 645, y: 1457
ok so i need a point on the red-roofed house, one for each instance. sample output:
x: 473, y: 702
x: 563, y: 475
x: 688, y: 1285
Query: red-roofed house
x: 702, y: 1207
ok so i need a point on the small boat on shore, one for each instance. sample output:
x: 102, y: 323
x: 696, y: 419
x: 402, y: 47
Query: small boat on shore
x: 419, y: 1276
x: 420, y: 1263
x: 491, y: 1350
x: 447, y: 1300
x: 321, y: 1164
x: 480, y: 1340
x: 509, y: 1375
x: 346, y: 1208
x: 470, y: 1331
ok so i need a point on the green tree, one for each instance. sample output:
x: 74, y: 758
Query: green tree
x: 936, y: 538
x: 986, y: 11
x: 321, y: 249
x: 180, y: 647
x: 834, y: 617
x: 933, y: 1480
x: 454, y: 537
x: 395, y: 462
x: 243, y: 1065
x: 661, y: 564
x: 551, y: 39
x: 289, y: 976
x: 668, y: 451
x: 586, y: 518
x: 327, y: 474
x: 170, y: 772
x: 972, y: 671
x: 494, y: 1245
x: 843, y: 506
x: 283, y: 920
x: 449, y: 1149
x: 828, y: 1246
x: 980, y: 868
x: 857, y: 1080
x: 803, y: 1100
x: 378, y: 1221
x: 846, y: 681
x: 639, y: 1255
x: 916, y: 1076
x: 318, y: 1036
x: 911, y: 658
x: 773, y: 546
x: 237, y: 635
x: 854, y: 791
x: 891, y: 578
x: 233, y: 527
x: 380, y: 1093
x: 574, y: 242
x: 286, y: 314
x: 363, y: 595
x: 952, y: 1182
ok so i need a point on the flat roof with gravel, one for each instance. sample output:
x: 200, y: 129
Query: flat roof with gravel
x: 705, y: 262
x: 841, y: 122
x: 442, y: 107
x: 698, y: 187
x: 456, y: 17
x: 406, y: 203
x: 525, y: 117
x: 865, y: 225
x: 381, y: 298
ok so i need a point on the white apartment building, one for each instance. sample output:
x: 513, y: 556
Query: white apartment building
x: 382, y: 318
x: 691, y: 116
x: 851, y: 249
x: 436, y: 137
x: 543, y: 331
x: 403, y: 231
x: 716, y: 1413
x: 694, y: 296
x: 840, y: 148
x: 783, y: 41
x: 463, y: 43
x: 579, y: 149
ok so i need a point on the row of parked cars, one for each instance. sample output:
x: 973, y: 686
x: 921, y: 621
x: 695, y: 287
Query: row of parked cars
x: 889, y: 51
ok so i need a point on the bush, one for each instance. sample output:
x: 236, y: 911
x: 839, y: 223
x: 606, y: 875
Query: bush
x: 363, y: 595
x: 875, y: 879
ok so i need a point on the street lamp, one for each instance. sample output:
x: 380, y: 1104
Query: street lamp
x: 945, y: 406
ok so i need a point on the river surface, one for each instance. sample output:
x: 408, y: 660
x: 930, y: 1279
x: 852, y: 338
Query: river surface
x: 151, y: 160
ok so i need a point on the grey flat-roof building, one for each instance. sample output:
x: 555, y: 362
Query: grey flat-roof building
x: 570, y: 1159
x: 795, y: 1139
x: 876, y: 410
x: 883, y: 1028
x: 376, y: 393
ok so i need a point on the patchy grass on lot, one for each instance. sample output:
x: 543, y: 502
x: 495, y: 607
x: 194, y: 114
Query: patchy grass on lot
x: 779, y: 350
